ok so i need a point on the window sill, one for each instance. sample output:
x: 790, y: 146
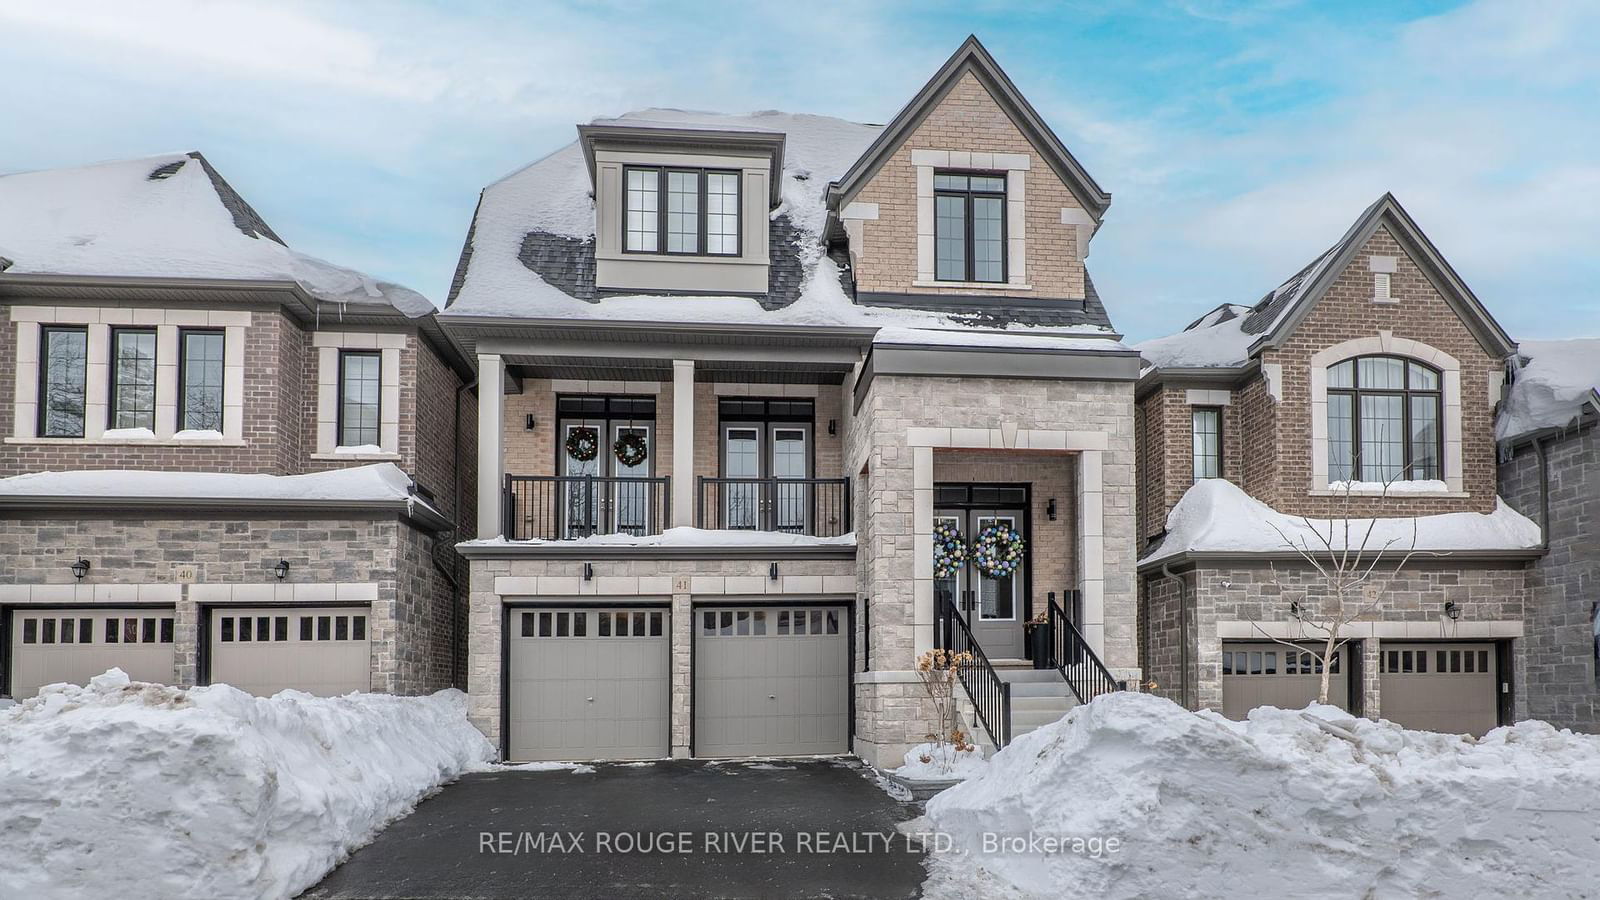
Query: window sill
x: 974, y: 285
x: 363, y: 457
x: 1392, y: 495
x: 123, y: 442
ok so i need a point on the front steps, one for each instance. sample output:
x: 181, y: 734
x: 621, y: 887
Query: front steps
x: 1038, y: 697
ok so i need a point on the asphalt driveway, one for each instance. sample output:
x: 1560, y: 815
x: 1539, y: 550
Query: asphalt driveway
x: 686, y: 828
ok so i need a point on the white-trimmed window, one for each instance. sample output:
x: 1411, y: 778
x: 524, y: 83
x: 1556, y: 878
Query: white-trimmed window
x: 63, y: 380
x: 201, y: 357
x: 680, y: 211
x: 360, y: 393
x: 1385, y: 420
x: 1207, y: 430
x: 969, y: 226
x: 133, y: 379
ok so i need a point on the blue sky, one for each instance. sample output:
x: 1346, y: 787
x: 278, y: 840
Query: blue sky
x: 1238, y: 139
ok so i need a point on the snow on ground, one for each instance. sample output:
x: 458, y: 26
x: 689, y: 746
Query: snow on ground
x: 1551, y: 388
x: 1273, y: 807
x: 930, y: 762
x: 136, y: 790
x: 685, y: 537
x: 380, y: 481
x: 160, y: 216
x: 1216, y: 515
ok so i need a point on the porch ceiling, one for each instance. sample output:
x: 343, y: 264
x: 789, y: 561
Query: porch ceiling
x: 714, y: 371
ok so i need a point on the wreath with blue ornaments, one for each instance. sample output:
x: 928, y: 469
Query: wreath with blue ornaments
x: 949, y: 550
x: 998, y: 550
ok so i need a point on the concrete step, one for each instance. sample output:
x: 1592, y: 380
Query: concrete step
x: 1018, y: 675
x: 1024, y: 721
x: 1058, y: 688
x: 1058, y: 705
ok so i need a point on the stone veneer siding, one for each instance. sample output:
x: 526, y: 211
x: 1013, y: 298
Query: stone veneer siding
x: 1564, y: 586
x: 1246, y: 592
x: 134, y: 558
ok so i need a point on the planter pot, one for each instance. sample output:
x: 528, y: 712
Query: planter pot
x: 1041, y: 643
x: 922, y: 789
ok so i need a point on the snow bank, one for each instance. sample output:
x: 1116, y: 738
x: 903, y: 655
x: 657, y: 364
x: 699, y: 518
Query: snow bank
x: 381, y: 481
x: 136, y: 790
x: 1552, y: 387
x: 934, y: 763
x: 1276, y: 807
x: 1215, y: 515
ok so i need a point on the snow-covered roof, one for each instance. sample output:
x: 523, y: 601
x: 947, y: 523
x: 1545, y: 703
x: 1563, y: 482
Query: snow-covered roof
x: 530, y: 250
x: 1554, y: 381
x: 1216, y: 516
x: 1215, y: 340
x: 377, y: 484
x: 169, y: 216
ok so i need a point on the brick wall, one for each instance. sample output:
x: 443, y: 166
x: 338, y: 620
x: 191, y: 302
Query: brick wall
x: 1563, y: 586
x: 967, y: 119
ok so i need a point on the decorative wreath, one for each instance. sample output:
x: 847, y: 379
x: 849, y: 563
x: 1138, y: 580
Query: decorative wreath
x: 949, y: 550
x: 998, y: 550
x: 631, y: 449
x: 583, y: 444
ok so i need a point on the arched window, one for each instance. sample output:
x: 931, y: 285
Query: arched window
x: 1383, y: 420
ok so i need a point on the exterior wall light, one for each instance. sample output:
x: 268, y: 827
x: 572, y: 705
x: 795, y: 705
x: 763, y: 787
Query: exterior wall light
x: 1294, y: 609
x: 281, y: 569
x: 532, y: 422
x: 80, y: 568
x: 588, y: 572
x: 1050, y: 509
x: 1452, y: 610
x: 772, y: 571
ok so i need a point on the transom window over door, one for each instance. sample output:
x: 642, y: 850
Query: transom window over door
x: 360, y: 386
x: 698, y: 216
x: 969, y: 227
x: 133, y: 378
x: 1383, y: 420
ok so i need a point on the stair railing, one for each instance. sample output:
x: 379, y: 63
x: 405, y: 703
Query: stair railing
x: 991, y: 697
x: 1074, y: 658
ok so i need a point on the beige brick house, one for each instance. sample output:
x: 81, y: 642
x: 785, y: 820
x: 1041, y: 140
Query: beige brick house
x: 222, y: 460
x: 734, y: 371
x: 1363, y: 389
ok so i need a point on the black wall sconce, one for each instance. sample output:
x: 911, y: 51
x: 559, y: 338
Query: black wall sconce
x: 1294, y: 609
x: 532, y: 422
x: 1050, y: 509
x: 772, y: 571
x: 833, y: 426
x: 80, y: 568
x: 1452, y: 610
x: 588, y: 572
x: 281, y: 569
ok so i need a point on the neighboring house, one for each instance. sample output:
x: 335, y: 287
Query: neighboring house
x: 223, y: 460
x: 1364, y: 386
x: 734, y: 369
x: 1550, y: 470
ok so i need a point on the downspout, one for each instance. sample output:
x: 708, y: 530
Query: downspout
x: 1183, y: 632
x: 1544, y: 491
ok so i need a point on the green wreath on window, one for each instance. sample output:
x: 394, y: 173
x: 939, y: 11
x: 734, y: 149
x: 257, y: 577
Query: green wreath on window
x: 631, y: 449
x: 949, y: 550
x: 583, y: 444
x: 998, y: 550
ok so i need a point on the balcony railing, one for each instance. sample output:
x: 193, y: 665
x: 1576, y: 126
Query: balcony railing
x: 565, y: 507
x: 819, y: 507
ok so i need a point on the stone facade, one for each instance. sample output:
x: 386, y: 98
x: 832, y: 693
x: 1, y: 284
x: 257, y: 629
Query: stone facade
x: 1560, y: 683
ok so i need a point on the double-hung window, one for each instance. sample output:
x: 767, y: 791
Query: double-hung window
x: 684, y: 212
x: 1383, y: 420
x: 1207, y: 442
x: 969, y: 227
x: 133, y: 378
x: 63, y: 370
x: 360, y: 386
x: 200, y: 380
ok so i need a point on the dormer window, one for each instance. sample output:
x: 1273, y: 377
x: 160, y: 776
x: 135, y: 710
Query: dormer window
x: 698, y: 216
x: 969, y: 226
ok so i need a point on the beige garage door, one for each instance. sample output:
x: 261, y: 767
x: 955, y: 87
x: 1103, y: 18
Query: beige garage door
x: 75, y: 645
x: 588, y: 684
x: 1451, y: 688
x: 319, y: 650
x: 1267, y: 674
x: 771, y: 682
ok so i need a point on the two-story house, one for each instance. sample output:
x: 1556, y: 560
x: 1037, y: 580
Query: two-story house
x: 1550, y: 471
x: 222, y: 460
x: 1349, y: 414
x: 734, y: 373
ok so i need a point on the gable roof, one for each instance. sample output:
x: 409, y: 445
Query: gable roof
x: 973, y: 57
x: 170, y: 218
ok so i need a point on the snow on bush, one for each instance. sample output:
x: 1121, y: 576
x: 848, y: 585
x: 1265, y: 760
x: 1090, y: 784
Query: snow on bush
x: 1278, y: 806
x: 136, y: 790
x: 940, y: 762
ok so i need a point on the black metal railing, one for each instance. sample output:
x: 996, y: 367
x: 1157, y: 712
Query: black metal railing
x: 819, y: 507
x: 1073, y: 657
x: 990, y: 696
x: 565, y: 507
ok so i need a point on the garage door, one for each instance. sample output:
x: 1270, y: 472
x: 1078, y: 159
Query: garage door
x: 319, y: 650
x: 1266, y: 674
x: 1439, y: 687
x: 771, y: 682
x: 589, y: 684
x: 75, y: 645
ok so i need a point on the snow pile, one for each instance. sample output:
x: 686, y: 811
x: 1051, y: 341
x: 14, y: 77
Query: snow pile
x: 1215, y: 515
x: 934, y: 762
x: 377, y: 482
x: 1277, y: 806
x: 1055, y: 339
x: 686, y: 537
x: 1215, y: 340
x: 1551, y: 388
x: 137, y: 790
x: 163, y: 216
x: 1421, y: 486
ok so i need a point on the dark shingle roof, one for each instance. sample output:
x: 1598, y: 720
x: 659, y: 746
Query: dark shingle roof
x: 1270, y: 309
x: 245, y: 218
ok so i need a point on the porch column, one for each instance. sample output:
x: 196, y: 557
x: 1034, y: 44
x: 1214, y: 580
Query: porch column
x: 491, y: 443
x: 1092, y: 550
x: 683, y: 487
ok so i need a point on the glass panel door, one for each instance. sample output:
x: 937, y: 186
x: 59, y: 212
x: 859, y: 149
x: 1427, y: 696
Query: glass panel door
x: 633, y: 498
x: 997, y: 597
x: 581, y: 500
x: 741, y: 458
x: 791, y: 459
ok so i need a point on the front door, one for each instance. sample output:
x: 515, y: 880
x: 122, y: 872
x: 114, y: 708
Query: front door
x: 791, y: 461
x: 765, y: 457
x: 991, y: 607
